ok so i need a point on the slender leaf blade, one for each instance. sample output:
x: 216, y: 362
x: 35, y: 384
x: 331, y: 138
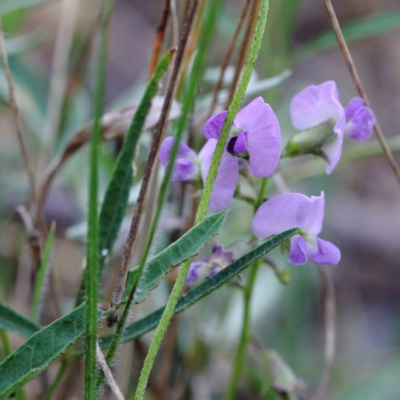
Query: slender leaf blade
x: 117, y: 195
x: 148, y: 323
x: 185, y: 247
x: 30, y: 359
x: 12, y: 320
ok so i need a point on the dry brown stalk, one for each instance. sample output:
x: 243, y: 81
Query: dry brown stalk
x: 16, y: 113
x: 158, y: 40
x: 152, y: 159
x: 360, y: 88
x: 228, y: 55
x: 244, y: 49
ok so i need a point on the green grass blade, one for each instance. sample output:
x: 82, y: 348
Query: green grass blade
x: 30, y: 359
x: 148, y: 323
x: 8, y: 6
x: 37, y: 294
x: 185, y: 247
x: 360, y: 29
x: 11, y: 320
x: 116, y: 197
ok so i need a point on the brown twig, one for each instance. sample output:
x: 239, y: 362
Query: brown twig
x: 17, y: 117
x: 158, y: 40
x: 357, y: 81
x: 152, y: 159
x: 244, y: 49
x: 228, y: 56
x: 330, y: 330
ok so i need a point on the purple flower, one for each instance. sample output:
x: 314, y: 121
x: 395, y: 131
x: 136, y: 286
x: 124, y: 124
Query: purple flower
x: 199, y: 271
x: 185, y: 167
x: 316, y: 105
x: 317, y: 109
x: 360, y: 120
x: 296, y: 210
x: 255, y: 130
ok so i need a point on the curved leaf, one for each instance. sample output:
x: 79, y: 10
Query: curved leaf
x: 148, y: 323
x: 187, y: 246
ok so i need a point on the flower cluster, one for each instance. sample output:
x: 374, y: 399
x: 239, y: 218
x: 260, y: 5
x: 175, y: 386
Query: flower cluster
x: 255, y: 140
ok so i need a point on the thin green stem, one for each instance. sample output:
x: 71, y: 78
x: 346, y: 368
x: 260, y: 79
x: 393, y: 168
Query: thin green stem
x: 92, y: 259
x: 60, y: 373
x: 5, y: 340
x: 245, y: 336
x: 39, y: 286
x: 201, y: 212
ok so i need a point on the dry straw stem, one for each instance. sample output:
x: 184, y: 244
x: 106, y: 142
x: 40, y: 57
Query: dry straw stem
x: 59, y: 77
x: 357, y: 81
x: 110, y: 379
x: 153, y: 155
x: 228, y: 55
x: 251, y: 26
x: 17, y: 117
x: 330, y: 330
x: 158, y: 40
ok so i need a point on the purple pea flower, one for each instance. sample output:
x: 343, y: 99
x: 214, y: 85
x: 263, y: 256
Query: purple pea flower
x: 185, y: 166
x: 360, y: 120
x: 318, y: 106
x: 199, y: 271
x: 256, y: 134
x: 293, y: 210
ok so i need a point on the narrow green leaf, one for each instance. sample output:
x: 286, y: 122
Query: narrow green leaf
x: 30, y: 359
x: 42, y: 273
x: 148, y: 323
x: 11, y: 320
x: 116, y: 197
x: 185, y: 247
x: 8, y: 6
x: 360, y: 29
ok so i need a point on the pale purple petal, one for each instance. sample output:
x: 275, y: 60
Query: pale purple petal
x: 361, y: 125
x: 213, y: 126
x: 288, y: 211
x: 183, y: 170
x: 315, y: 105
x: 333, y: 149
x: 298, y: 250
x: 324, y: 252
x: 184, y: 151
x: 193, y: 274
x: 353, y: 106
x: 263, y: 138
x: 240, y: 144
x: 227, y: 177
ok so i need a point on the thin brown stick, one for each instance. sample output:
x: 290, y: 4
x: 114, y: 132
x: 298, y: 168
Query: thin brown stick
x: 244, y: 50
x: 228, y: 55
x: 330, y: 330
x: 357, y: 81
x: 158, y: 40
x: 152, y: 159
x: 17, y: 117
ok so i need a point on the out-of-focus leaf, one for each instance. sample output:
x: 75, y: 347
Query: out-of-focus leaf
x: 116, y: 197
x: 21, y: 44
x: 8, y: 6
x: 185, y: 247
x: 360, y: 29
x: 148, y: 323
x: 30, y: 359
x: 11, y: 320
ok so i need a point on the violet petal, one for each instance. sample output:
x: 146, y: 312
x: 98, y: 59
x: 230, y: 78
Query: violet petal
x: 298, y: 250
x: 213, y: 126
x: 324, y: 253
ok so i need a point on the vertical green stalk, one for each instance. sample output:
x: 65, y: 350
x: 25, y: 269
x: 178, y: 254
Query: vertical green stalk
x: 92, y: 257
x: 240, y: 356
x: 38, y: 292
x: 201, y: 212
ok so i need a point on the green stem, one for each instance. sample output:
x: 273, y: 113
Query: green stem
x: 201, y: 212
x: 245, y: 335
x: 56, y: 381
x: 5, y: 340
x: 92, y: 259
